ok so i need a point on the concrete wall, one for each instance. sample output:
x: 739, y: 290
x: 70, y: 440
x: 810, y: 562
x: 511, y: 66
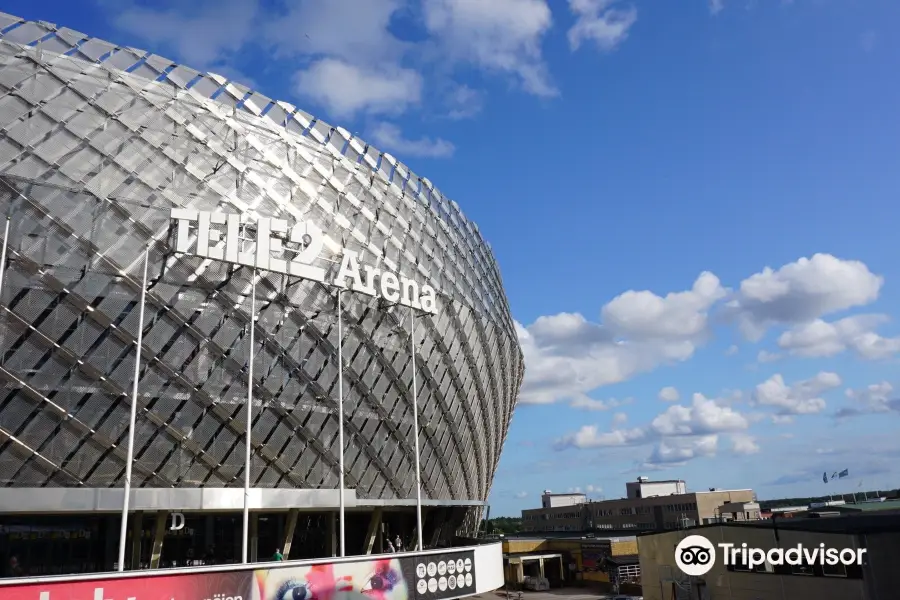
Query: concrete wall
x: 559, y: 500
x: 708, y: 503
x: 648, y: 489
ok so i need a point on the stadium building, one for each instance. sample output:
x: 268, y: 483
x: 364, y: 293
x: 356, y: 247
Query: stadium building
x: 106, y: 151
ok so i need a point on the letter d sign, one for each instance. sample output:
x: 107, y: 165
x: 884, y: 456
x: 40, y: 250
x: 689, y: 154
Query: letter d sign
x: 177, y: 522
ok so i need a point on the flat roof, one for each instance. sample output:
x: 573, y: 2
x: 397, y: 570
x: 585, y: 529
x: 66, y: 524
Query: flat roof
x: 624, y: 560
x: 848, y: 523
x: 660, y: 481
x: 570, y: 536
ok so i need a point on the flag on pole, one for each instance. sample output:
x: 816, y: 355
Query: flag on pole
x: 824, y: 477
x: 844, y: 473
x: 860, y: 484
x: 833, y: 475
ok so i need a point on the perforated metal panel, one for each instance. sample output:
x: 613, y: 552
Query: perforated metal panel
x: 97, y: 144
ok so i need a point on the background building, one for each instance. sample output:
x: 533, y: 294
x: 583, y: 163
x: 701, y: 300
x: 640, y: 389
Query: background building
x: 644, y: 488
x: 551, y: 500
x: 97, y: 144
x: 676, y: 510
x: 876, y: 580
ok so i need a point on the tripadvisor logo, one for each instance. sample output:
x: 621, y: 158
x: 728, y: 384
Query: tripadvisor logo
x: 695, y: 555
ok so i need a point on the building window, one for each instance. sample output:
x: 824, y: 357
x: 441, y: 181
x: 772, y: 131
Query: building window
x: 766, y: 567
x: 740, y: 565
x: 805, y: 569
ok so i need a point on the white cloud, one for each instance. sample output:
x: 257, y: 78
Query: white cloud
x: 704, y: 416
x: 680, y: 432
x: 782, y: 419
x: 732, y: 350
x: 669, y: 394
x: 819, y: 338
x: 801, y: 398
x: 875, y: 398
x: 504, y: 36
x: 566, y: 355
x: 766, y: 357
x: 389, y: 137
x: 521, y: 495
x: 352, y: 31
x: 680, y: 315
x: 349, y: 89
x: 204, y: 35
x: 619, y: 419
x: 675, y: 451
x: 464, y: 102
x: 353, y: 64
x: 744, y: 444
x: 585, y: 403
x: 601, y: 22
x: 589, y: 436
x: 801, y: 292
x: 716, y: 6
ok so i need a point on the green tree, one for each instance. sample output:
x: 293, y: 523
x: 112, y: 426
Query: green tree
x: 504, y: 525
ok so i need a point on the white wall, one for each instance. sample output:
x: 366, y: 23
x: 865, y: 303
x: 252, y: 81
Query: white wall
x: 488, y: 567
x: 649, y: 489
x: 555, y: 500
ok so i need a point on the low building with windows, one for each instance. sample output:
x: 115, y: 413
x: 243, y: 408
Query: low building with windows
x: 877, y: 579
x: 571, y: 560
x: 670, y: 506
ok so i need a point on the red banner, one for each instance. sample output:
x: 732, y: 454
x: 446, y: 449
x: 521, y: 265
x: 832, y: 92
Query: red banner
x: 201, y: 586
x: 380, y: 579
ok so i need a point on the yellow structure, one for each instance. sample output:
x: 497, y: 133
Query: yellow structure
x: 563, y: 561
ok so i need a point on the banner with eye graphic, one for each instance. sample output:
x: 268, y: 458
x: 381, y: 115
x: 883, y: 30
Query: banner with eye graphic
x: 378, y: 579
x: 441, y: 576
x: 438, y: 576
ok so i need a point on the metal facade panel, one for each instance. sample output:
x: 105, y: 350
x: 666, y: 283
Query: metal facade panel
x: 92, y: 160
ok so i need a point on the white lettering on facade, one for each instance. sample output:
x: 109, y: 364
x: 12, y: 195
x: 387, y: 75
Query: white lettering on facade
x: 271, y: 245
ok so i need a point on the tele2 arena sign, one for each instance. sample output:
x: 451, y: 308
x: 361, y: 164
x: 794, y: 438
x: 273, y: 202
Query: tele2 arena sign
x: 290, y: 251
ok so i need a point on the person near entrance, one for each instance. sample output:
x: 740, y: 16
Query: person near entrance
x: 15, y: 569
x: 277, y: 557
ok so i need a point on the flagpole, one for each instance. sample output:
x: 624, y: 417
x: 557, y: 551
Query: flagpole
x: 3, y: 255
x: 123, y: 529
x: 412, y: 338
x: 249, y: 432
x: 340, y: 332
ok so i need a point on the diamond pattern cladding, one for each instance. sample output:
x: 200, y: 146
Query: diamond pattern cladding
x: 97, y: 144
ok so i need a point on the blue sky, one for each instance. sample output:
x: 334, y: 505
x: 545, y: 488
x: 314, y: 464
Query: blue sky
x: 680, y: 194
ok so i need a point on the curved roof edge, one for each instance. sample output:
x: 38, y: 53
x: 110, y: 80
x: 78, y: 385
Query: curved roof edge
x: 43, y: 35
